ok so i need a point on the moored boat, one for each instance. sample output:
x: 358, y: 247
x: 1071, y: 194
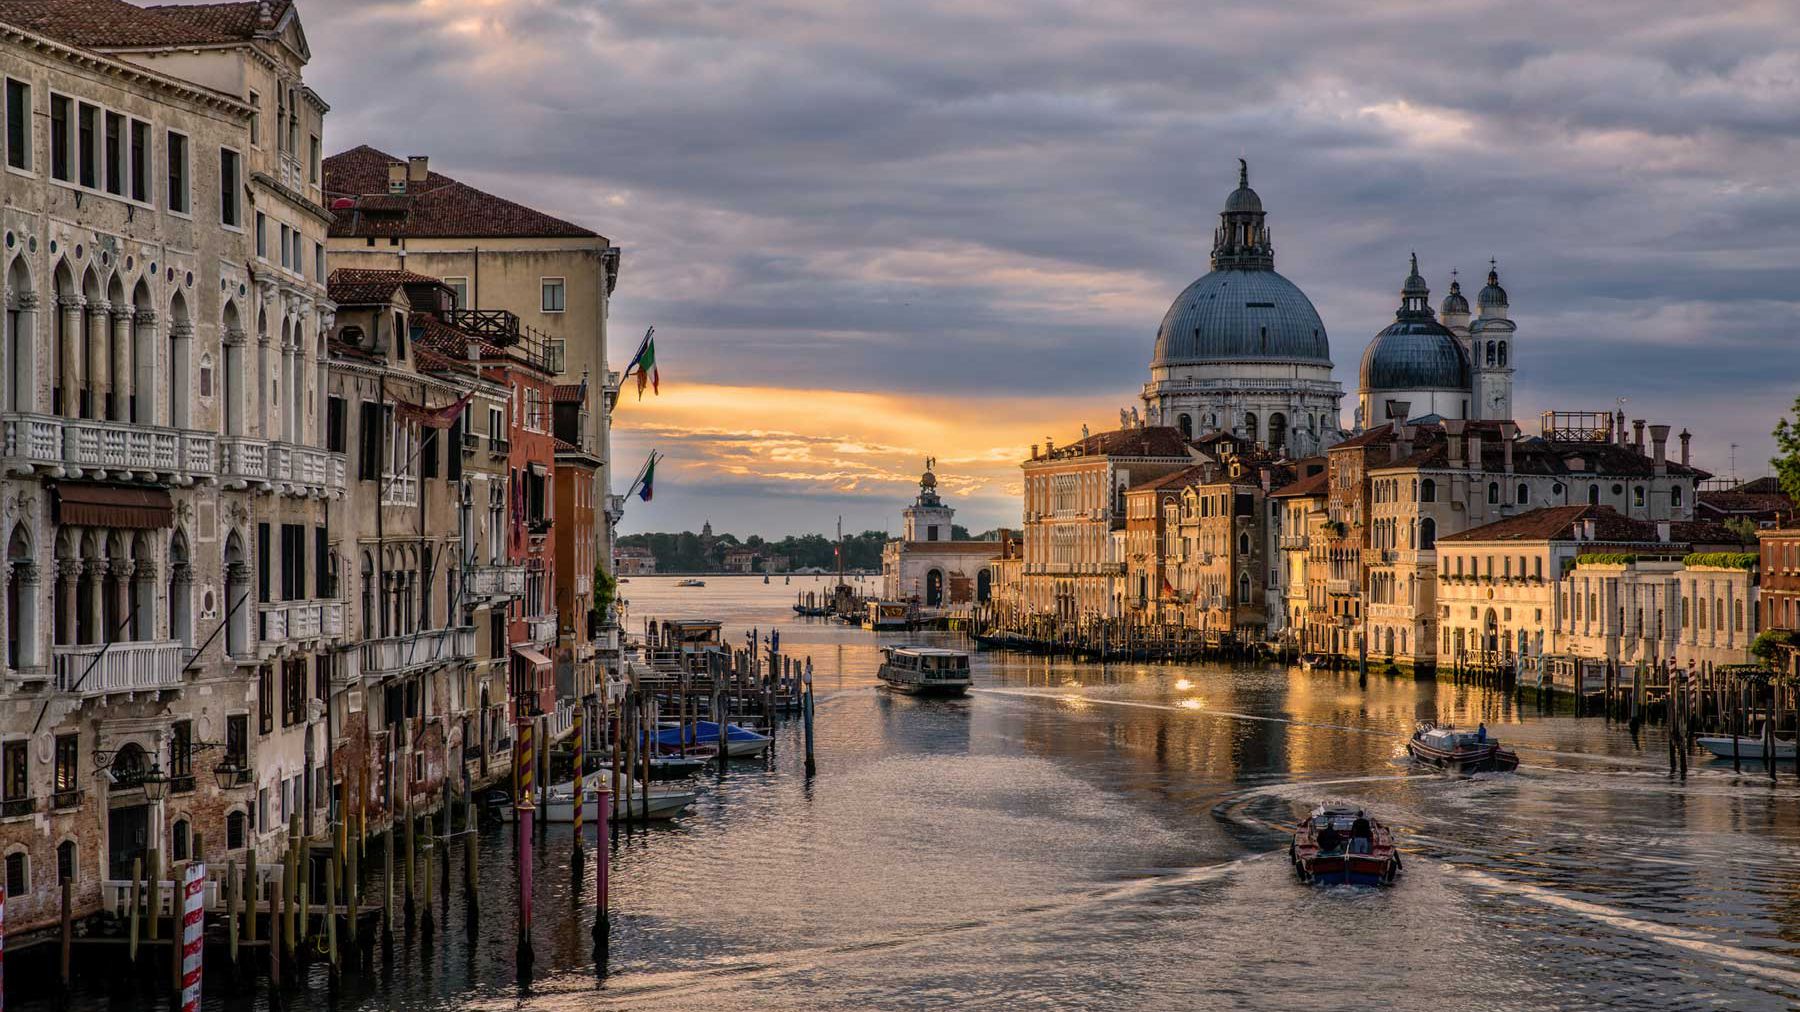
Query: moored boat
x: 1745, y: 746
x: 925, y: 671
x: 665, y: 802
x: 1461, y: 751
x: 1343, y: 846
x: 739, y: 741
x: 888, y: 616
x: 690, y: 583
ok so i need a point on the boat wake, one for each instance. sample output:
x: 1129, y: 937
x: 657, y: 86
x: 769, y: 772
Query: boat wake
x: 632, y: 989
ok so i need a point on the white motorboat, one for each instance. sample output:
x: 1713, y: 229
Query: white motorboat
x: 1746, y: 747
x: 665, y: 802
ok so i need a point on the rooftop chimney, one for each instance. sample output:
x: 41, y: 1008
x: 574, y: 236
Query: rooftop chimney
x: 1659, y: 445
x: 1453, y: 444
x: 417, y: 168
x: 1474, y: 450
x: 1587, y: 529
x: 1663, y: 528
x: 1637, y: 437
x: 1506, y: 445
x: 396, y: 177
x: 1685, y: 436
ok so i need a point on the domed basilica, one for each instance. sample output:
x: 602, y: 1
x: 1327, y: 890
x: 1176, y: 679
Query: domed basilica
x: 1243, y: 351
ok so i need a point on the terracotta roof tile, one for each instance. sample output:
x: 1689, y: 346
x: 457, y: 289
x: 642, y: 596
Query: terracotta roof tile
x: 567, y: 393
x: 1305, y: 487
x: 1144, y: 441
x: 1558, y: 523
x: 437, y: 206
x: 113, y: 24
x: 350, y: 286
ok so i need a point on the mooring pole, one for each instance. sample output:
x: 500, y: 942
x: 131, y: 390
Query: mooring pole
x: 526, y: 808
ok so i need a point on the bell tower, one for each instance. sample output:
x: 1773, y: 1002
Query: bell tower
x: 1491, y: 352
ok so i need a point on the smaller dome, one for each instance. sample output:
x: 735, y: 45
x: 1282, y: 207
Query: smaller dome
x: 1493, y: 294
x: 1415, y: 355
x: 1454, y: 302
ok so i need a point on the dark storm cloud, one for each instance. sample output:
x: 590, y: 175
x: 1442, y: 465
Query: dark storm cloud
x: 1004, y: 196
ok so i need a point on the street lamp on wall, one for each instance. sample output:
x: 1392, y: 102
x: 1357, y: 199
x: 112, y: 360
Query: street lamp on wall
x: 154, y: 783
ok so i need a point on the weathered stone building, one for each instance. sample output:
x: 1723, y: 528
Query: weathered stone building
x: 173, y: 605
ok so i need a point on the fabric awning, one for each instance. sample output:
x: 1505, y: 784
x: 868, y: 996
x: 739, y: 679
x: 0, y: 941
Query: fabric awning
x: 532, y: 657
x: 114, y: 506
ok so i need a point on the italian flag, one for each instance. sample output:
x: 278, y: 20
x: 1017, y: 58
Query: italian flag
x: 645, y: 364
x: 649, y: 480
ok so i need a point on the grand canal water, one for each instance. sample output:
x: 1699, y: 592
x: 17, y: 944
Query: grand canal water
x: 1078, y: 836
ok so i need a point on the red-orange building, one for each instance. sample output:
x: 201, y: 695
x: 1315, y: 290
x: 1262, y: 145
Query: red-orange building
x: 575, y: 516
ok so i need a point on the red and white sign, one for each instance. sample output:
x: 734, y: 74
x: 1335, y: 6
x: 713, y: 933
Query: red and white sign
x: 193, y: 893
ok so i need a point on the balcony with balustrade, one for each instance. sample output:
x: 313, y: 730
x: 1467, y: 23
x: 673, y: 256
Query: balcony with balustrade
x: 399, y: 490
x: 298, y: 625
x: 541, y: 629
x: 496, y: 581
x: 97, y: 669
x: 100, y: 449
x: 428, y: 648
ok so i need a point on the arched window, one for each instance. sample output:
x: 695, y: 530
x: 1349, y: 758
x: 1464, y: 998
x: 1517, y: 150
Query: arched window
x: 1490, y: 353
x: 18, y: 874
x: 234, y: 831
x: 1493, y: 493
x: 1250, y: 428
x: 1243, y: 544
x: 178, y: 840
x: 1427, y: 534
x: 1675, y: 496
x: 1243, y: 588
x: 1186, y: 425
x: 21, y: 601
x: 1524, y: 494
x: 1503, y: 354
x: 1277, y: 431
x: 1428, y: 490
x: 1637, y: 495
x: 1593, y: 495
x: 66, y: 867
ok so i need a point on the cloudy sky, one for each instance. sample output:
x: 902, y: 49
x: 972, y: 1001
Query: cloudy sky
x: 872, y: 230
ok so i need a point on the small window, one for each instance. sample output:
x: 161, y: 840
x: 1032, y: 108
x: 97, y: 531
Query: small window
x: 231, y: 187
x: 262, y: 235
x: 87, y: 144
x: 178, y: 173
x: 1524, y: 496
x: 459, y: 287
x: 140, y: 161
x: 312, y: 161
x: 62, y: 116
x: 18, y: 874
x: 18, y: 124
x: 178, y: 841
x: 319, y: 262
x: 234, y: 831
x: 285, y: 246
x: 1493, y: 493
x: 554, y: 298
x: 115, y: 154
x: 255, y: 119
x: 335, y: 438
x: 65, y: 861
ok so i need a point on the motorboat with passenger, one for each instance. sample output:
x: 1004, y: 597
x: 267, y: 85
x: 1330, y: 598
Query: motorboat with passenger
x: 1339, y: 845
x: 1460, y: 750
x: 925, y: 671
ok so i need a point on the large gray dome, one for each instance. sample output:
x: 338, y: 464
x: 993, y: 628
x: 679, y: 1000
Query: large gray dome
x: 1415, y: 354
x: 1238, y: 315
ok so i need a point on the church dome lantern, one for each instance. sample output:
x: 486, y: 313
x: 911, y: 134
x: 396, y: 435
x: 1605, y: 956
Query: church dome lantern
x: 1243, y: 310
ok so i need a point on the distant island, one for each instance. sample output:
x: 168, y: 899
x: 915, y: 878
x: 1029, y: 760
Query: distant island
x: 707, y: 552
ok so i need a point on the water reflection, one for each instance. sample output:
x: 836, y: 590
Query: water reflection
x: 1085, y: 836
